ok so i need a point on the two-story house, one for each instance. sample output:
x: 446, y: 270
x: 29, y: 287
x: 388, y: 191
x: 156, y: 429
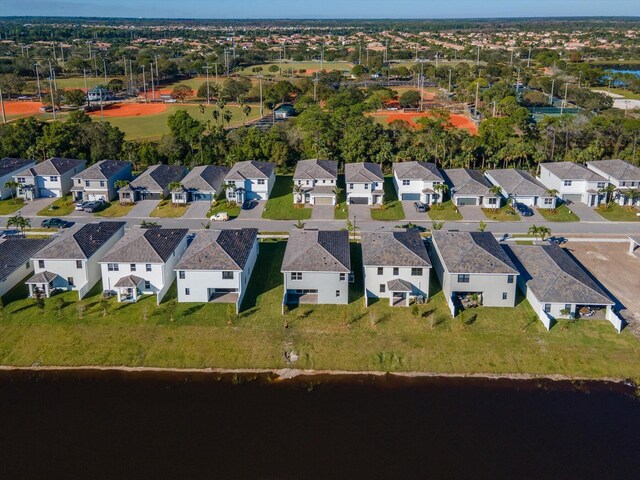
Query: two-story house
x: 51, y: 178
x: 98, y: 181
x: 365, y: 183
x: 315, y: 182
x: 143, y: 262
x: 396, y: 266
x: 152, y: 184
x: 473, y: 269
x: 316, y: 267
x: 416, y: 181
x: 573, y: 181
x: 250, y: 180
x: 470, y: 187
x: 217, y: 266
x: 622, y: 175
x: 8, y: 168
x: 70, y: 262
x: 522, y: 187
x: 15, y: 260
x: 202, y: 184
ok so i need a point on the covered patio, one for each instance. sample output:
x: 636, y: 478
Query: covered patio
x: 400, y: 291
x: 44, y: 283
x: 127, y: 288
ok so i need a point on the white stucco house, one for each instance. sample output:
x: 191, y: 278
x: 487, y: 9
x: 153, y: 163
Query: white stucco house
x: 15, y: 260
x: 250, y: 180
x: 143, y: 262
x: 8, y: 168
x: 51, y: 178
x: 98, y: 181
x: 558, y: 287
x: 396, y: 267
x: 365, y: 183
x: 473, y: 268
x: 471, y: 187
x: 522, y: 187
x: 152, y: 184
x: 622, y: 175
x: 315, y: 182
x: 316, y: 267
x: 217, y: 266
x: 573, y: 181
x: 70, y: 262
x: 416, y: 181
x: 202, y: 184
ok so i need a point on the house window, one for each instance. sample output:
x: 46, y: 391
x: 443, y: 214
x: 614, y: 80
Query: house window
x: 567, y: 183
x: 492, y: 201
x: 53, y: 178
x: 504, y: 295
x: 79, y: 182
x: 87, y: 183
x: 78, y: 263
x: 324, y: 181
x: 337, y: 293
x: 510, y: 279
x: 40, y: 263
x: 20, y: 179
x: 351, y: 186
x: 406, y: 182
x: 187, y: 291
x: 102, y: 183
x: 380, y: 270
x: 343, y: 277
x: 416, y: 272
x: 227, y: 275
x: 548, y: 201
x: 113, y: 267
x: 132, y: 267
x: 261, y: 181
x: 463, y: 278
x: 383, y: 288
x: 148, y: 267
x: 296, y: 275
x: 396, y: 270
x: 567, y: 307
x: 366, y: 186
x: 147, y: 285
x: 547, y: 307
x: 181, y: 274
x: 600, y: 184
x: 70, y: 281
x: 308, y: 182
x: 26, y: 265
x: 623, y: 184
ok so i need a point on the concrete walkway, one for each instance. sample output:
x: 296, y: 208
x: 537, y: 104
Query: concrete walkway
x: 472, y: 213
x: 585, y: 212
x: 361, y: 212
x: 143, y: 208
x: 255, y: 213
x: 31, y: 209
x: 322, y: 212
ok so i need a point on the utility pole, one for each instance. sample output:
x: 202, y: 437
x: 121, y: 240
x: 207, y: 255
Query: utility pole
x: 360, y: 54
x: 144, y: 85
x: 104, y: 67
x: 95, y: 66
x: 4, y: 115
x: 529, y: 58
x: 494, y: 108
x: 421, y: 86
x: 511, y: 61
x: 131, y: 75
x: 315, y: 88
x: 86, y: 87
x: 416, y: 59
x: 478, y: 57
x: 53, y: 103
x: 564, y: 102
x: 101, y: 107
x: 321, y: 56
x: 553, y: 84
x: 38, y: 81
x: 153, y: 87
x: 449, y: 90
x: 61, y: 52
x: 157, y: 74
x: 206, y: 69
x: 477, y: 93
x: 261, y: 107
x: 579, y: 78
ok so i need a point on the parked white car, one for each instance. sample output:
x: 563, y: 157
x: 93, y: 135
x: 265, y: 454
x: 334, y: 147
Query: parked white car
x: 220, y: 217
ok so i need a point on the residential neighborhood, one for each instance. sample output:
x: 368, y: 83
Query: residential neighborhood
x: 51, y: 178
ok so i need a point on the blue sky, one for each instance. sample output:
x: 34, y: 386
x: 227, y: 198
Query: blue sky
x: 320, y: 9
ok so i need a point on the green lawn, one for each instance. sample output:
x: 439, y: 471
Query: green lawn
x: 342, y: 208
x: 78, y: 82
x: 297, y: 66
x: 349, y: 337
x: 392, y: 208
x: 444, y: 211
x: 10, y: 205
x: 280, y: 204
x: 115, y: 209
x: 616, y: 213
x: 166, y: 209
x: 560, y: 214
x: 625, y: 93
x: 232, y: 209
x: 61, y: 207
x: 503, y: 214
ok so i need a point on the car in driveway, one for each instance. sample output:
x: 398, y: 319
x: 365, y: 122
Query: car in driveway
x: 219, y: 217
x: 55, y: 223
x: 524, y: 210
x: 80, y: 206
x: 96, y: 206
x: 420, y: 207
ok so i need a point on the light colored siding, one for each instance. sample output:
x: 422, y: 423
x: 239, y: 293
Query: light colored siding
x: 327, y: 283
x: 15, y: 277
x: 372, y: 281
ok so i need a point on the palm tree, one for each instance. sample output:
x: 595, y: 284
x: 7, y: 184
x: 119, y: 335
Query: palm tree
x: 337, y: 191
x: 533, y: 230
x: 19, y: 222
x: 227, y: 116
x: 246, y: 110
x: 482, y: 226
x: 12, y: 185
x: 436, y: 225
x: 608, y: 191
x: 297, y: 192
x: 632, y: 194
x: 544, y: 232
x: 553, y: 193
x: 440, y: 189
x: 173, y: 186
x: 496, y: 191
x: 228, y: 187
x: 299, y: 224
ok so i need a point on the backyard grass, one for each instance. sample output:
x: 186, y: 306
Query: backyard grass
x: 392, y: 208
x: 166, y: 209
x: 560, y: 214
x: 341, y: 211
x: 115, y: 209
x: 65, y: 332
x: 10, y: 205
x: 616, y: 213
x: 444, y: 211
x: 231, y: 209
x: 280, y: 204
x: 61, y: 207
x: 503, y: 214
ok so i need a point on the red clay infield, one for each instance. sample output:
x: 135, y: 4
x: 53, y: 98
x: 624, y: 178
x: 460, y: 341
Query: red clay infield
x: 459, y: 121
x: 21, y: 108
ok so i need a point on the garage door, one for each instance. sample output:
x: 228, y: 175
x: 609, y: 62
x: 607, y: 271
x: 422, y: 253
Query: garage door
x: 202, y: 197
x: 358, y: 200
x: 411, y: 196
x: 323, y: 200
x: 467, y: 201
x: 572, y: 197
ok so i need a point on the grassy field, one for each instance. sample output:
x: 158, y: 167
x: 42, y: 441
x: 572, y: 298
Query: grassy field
x: 444, y: 211
x: 280, y: 204
x: 309, y: 67
x: 166, y: 209
x: 61, y: 207
x: 232, y: 209
x: 625, y: 93
x: 115, y: 209
x: 392, y: 209
x: 560, y: 214
x: 485, y: 340
x: 503, y: 214
x: 78, y: 82
x: 10, y: 205
x: 616, y: 213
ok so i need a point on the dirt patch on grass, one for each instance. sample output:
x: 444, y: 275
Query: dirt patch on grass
x: 458, y: 121
x: 21, y: 108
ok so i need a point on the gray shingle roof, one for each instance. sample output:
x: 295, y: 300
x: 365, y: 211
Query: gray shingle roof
x: 417, y: 171
x: 398, y: 285
x: 314, y: 168
x: 250, y: 170
x: 158, y: 177
x: 362, y: 172
x: 154, y: 245
x: 394, y: 249
x: 219, y: 250
x: 464, y: 181
x: 80, y: 242
x: 14, y: 253
x: 572, y: 171
x: 518, y: 182
x: 618, y: 169
x: 52, y: 166
x: 472, y: 252
x: 205, y: 178
x: 11, y: 165
x: 555, y: 277
x: 317, y: 251
x: 130, y: 281
x: 102, y: 170
x: 42, y: 277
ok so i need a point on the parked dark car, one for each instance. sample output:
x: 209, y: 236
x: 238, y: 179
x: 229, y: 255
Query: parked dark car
x: 524, y: 210
x: 420, y: 207
x: 557, y: 240
x: 249, y: 204
x: 9, y: 233
x: 55, y: 223
x: 94, y: 206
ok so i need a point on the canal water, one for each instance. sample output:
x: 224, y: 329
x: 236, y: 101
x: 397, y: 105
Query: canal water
x: 116, y: 425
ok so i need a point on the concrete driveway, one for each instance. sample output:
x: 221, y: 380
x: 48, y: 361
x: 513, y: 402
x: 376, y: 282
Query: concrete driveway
x: 473, y: 213
x: 255, y: 213
x: 411, y: 215
x: 143, y: 208
x: 322, y: 212
x: 31, y: 209
x: 361, y: 212
x: 197, y: 210
x: 585, y: 212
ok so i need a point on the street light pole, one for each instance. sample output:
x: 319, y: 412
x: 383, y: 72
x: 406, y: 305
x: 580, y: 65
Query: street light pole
x: 144, y: 84
x: 86, y: 86
x: 153, y: 86
x: 206, y: 69
x: 4, y: 116
x: 53, y: 103
x: 38, y: 81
